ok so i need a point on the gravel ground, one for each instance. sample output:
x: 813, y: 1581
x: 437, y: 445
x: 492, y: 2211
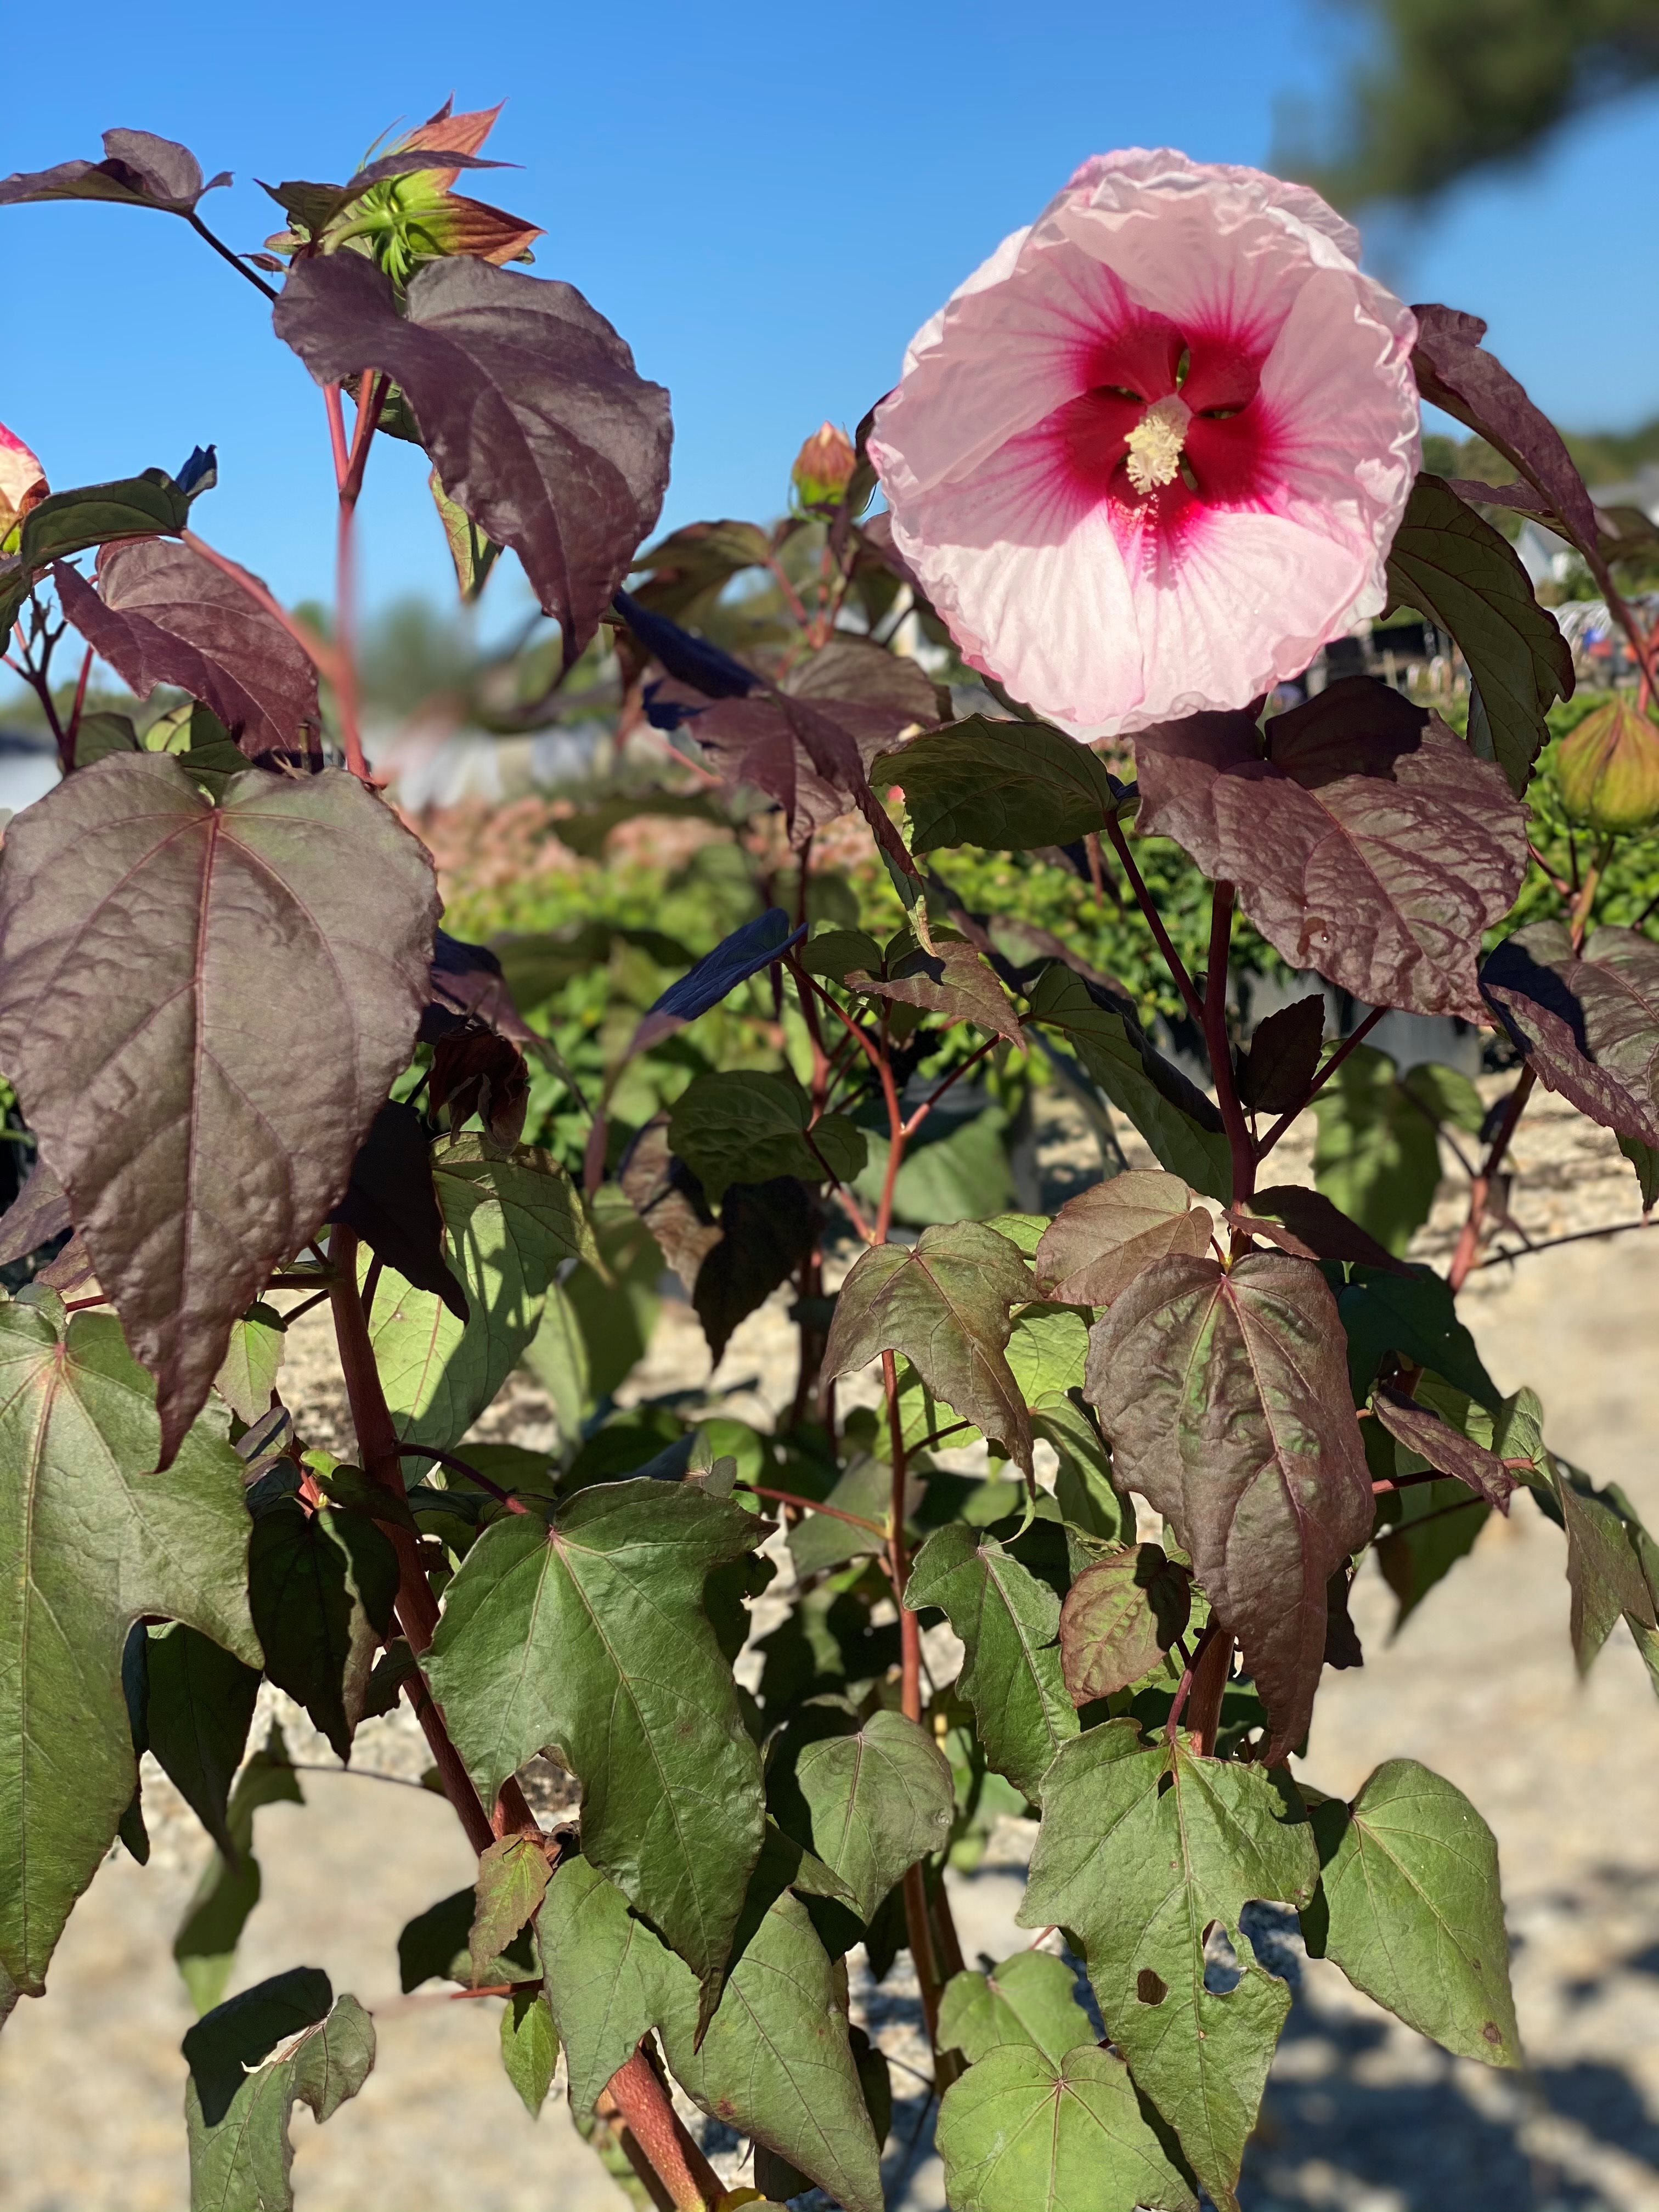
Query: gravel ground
x: 1361, y: 2114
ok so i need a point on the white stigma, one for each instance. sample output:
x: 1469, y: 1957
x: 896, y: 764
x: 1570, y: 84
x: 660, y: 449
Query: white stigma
x: 1155, y: 443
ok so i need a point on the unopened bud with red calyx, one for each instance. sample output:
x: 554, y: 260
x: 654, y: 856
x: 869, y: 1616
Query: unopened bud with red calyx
x: 1608, y: 770
x: 23, y: 483
x: 823, y: 467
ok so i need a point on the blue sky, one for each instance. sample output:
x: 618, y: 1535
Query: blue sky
x: 766, y: 203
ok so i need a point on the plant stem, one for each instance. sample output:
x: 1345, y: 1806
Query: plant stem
x: 1356, y: 1037
x: 1144, y: 900
x: 642, y: 2105
x: 815, y: 1505
x: 234, y: 259
x: 348, y: 477
x: 1468, y: 1239
x: 417, y: 1609
x: 955, y: 1075
x: 1240, y: 1143
x: 463, y: 1467
x: 1578, y: 1236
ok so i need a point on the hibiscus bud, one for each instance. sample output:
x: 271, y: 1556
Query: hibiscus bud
x: 1608, y: 770
x: 22, y: 481
x: 823, y: 467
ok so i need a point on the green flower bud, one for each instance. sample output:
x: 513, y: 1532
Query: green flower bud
x: 1608, y: 770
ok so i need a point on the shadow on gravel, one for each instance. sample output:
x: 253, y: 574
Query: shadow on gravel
x: 1359, y: 2117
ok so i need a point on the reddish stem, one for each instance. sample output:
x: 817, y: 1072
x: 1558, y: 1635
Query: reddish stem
x: 1144, y: 900
x: 74, y: 730
x: 1240, y: 1143
x: 417, y: 1609
x: 322, y: 656
x: 643, y: 2105
x: 1357, y: 1036
x: 815, y: 1505
x: 955, y: 1075
x: 1468, y: 1240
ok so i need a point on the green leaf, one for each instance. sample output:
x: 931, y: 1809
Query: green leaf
x: 1009, y: 1622
x: 1179, y: 1123
x: 741, y: 1125
x: 1427, y: 1537
x: 1047, y: 1350
x: 247, y: 1374
x: 1409, y: 1907
x: 1029, y: 2000
x: 1141, y: 1851
x: 1120, y: 1617
x: 247, y: 2072
x: 512, y: 1878
x: 1415, y: 1315
x: 1008, y: 785
x: 92, y: 1539
x: 818, y: 1540
x: 1021, y: 2131
x: 198, y: 1707
x: 774, y: 2061
x: 1377, y: 1156
x: 1454, y: 568
x: 97, y: 736
x: 1604, y: 1563
x: 530, y: 2047
x: 1083, y: 1485
x: 943, y: 1303
x: 507, y: 1226
x: 836, y: 953
x: 204, y: 1948
x: 322, y: 1585
x: 150, y: 506
x: 435, y: 1945
x: 589, y: 1638
x: 1644, y: 1158
x: 960, y: 1174
x: 874, y: 1802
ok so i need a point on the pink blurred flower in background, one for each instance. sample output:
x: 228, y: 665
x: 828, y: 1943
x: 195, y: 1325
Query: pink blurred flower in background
x: 22, y: 481
x: 1151, y: 454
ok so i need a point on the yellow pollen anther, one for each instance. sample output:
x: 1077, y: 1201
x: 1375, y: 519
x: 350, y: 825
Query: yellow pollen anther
x: 1155, y: 443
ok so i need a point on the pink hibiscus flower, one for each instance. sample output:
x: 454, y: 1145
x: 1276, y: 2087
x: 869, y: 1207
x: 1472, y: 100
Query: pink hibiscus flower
x: 1151, y: 454
x: 22, y: 480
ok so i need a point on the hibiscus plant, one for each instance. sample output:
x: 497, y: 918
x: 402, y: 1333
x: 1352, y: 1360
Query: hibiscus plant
x: 1155, y: 453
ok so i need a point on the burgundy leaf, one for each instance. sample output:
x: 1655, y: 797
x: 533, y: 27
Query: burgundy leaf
x: 1447, y: 1449
x: 853, y: 672
x: 38, y: 1214
x: 955, y: 981
x: 1311, y: 1226
x: 137, y: 169
x: 529, y: 406
x: 163, y: 614
x: 755, y: 740
x: 1342, y: 1644
x: 1283, y: 1059
x: 1456, y: 373
x: 1100, y: 1241
x: 393, y: 1204
x: 476, y: 1072
x: 203, y: 1008
x: 468, y: 984
x: 1225, y: 1398
x: 1369, y: 843
x: 71, y: 1273
x: 1588, y: 1025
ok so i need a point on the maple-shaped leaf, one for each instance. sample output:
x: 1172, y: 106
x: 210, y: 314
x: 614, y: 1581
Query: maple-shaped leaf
x: 1224, y: 1395
x: 1588, y: 1022
x: 944, y: 1303
x: 1099, y: 1241
x: 1366, y: 841
x: 1009, y: 786
x: 1020, y: 2129
x: 1120, y: 1618
x: 527, y: 402
x: 590, y: 1636
x: 162, y: 614
x: 1030, y: 2000
x: 152, y: 945
x: 1141, y: 1852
